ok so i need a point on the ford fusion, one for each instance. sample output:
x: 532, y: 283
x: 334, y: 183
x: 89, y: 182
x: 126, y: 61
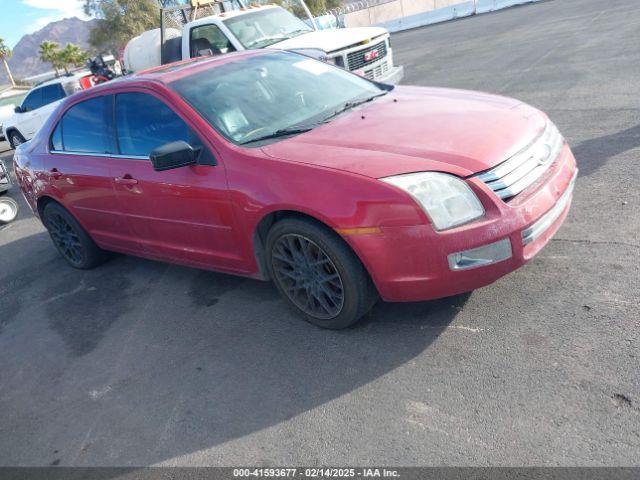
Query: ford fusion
x: 278, y: 167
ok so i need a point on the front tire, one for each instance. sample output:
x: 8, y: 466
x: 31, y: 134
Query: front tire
x: 318, y: 274
x: 72, y: 241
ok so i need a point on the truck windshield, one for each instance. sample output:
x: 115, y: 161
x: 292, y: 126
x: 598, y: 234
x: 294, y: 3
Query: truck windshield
x: 265, y: 27
x: 269, y: 96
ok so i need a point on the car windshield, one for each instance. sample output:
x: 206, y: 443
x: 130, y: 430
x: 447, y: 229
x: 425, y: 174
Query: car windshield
x: 267, y: 96
x: 265, y: 27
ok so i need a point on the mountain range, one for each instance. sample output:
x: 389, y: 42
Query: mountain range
x: 26, y: 59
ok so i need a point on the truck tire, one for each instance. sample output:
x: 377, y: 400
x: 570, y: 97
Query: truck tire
x: 15, y: 138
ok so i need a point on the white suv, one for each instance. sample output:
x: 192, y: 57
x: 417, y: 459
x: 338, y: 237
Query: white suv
x: 38, y: 105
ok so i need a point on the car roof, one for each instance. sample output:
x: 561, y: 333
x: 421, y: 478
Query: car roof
x: 172, y: 71
x: 64, y: 78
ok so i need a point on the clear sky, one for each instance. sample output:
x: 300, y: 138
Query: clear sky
x: 18, y: 17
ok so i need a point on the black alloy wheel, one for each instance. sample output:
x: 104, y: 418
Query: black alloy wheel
x: 308, y: 276
x: 70, y: 239
x: 318, y: 274
x: 65, y: 238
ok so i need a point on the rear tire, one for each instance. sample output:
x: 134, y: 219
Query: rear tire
x: 15, y: 138
x: 318, y: 274
x: 72, y: 241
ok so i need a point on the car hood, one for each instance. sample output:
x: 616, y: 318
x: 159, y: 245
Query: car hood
x: 331, y: 40
x: 414, y: 129
x: 6, y: 112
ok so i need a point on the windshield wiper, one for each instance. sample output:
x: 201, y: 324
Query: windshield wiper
x: 352, y: 104
x: 283, y: 132
x: 296, y: 33
x: 261, y: 41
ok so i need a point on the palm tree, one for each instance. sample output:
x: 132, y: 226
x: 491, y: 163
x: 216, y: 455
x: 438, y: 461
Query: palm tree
x: 48, y: 51
x: 5, y: 52
x: 71, y: 55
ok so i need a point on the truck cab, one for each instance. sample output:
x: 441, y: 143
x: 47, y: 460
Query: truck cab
x: 365, y: 51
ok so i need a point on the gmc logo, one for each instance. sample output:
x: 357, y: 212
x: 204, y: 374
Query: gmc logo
x: 372, y: 55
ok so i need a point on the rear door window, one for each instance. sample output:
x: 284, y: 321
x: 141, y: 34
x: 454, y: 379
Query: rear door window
x: 87, y: 127
x: 33, y: 100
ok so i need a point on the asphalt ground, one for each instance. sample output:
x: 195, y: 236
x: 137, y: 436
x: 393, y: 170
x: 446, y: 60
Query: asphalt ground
x: 140, y: 363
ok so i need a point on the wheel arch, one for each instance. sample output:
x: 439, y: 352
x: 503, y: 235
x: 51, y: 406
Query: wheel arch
x: 268, y: 220
x: 43, y: 201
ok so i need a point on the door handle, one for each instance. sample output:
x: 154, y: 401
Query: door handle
x: 126, y: 180
x: 55, y: 173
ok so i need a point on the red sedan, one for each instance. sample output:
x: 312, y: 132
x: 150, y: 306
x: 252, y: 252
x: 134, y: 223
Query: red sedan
x: 276, y: 166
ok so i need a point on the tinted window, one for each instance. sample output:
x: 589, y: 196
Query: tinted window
x: 56, y: 138
x: 262, y: 28
x: 209, y: 37
x: 52, y: 93
x: 33, y: 100
x: 144, y: 123
x: 86, y: 127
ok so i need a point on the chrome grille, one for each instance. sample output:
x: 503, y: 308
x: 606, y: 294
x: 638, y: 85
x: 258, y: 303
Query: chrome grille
x: 377, y: 71
x: 356, y: 60
x: 518, y: 172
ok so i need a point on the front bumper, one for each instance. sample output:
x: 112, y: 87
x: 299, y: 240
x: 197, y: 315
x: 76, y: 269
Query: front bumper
x: 411, y: 263
x: 393, y: 76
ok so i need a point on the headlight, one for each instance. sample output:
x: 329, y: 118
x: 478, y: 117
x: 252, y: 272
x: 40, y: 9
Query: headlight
x: 446, y: 199
x: 337, y: 61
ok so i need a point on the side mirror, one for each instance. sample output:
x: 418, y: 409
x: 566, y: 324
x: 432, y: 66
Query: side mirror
x: 173, y: 155
x: 18, y: 109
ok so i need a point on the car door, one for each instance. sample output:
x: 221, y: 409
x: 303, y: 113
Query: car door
x: 81, y: 147
x: 27, y: 121
x: 183, y: 214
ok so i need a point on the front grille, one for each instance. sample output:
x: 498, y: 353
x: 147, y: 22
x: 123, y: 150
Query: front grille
x: 518, y: 172
x: 356, y: 60
x: 377, y: 71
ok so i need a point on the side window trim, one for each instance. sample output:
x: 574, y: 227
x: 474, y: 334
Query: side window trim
x: 105, y: 155
x: 115, y: 139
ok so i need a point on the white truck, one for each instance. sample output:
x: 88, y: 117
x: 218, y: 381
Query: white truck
x: 364, y: 50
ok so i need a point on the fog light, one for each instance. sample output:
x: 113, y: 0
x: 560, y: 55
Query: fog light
x: 477, y: 257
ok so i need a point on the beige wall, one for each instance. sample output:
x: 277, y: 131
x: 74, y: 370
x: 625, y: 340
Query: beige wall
x: 392, y: 10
